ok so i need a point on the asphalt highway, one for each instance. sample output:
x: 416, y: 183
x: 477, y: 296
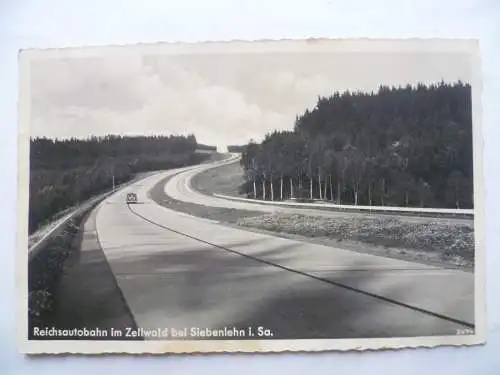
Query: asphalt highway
x: 179, y: 272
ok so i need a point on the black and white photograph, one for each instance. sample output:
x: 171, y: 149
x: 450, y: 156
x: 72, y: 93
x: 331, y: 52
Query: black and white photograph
x: 258, y: 196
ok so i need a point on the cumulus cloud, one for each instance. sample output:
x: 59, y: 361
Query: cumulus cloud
x: 221, y: 99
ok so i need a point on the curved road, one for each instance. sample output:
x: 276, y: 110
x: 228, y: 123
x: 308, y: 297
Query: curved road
x: 179, y: 271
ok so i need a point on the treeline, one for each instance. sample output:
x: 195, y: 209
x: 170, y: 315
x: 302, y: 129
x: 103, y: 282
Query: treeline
x: 206, y: 147
x: 236, y: 148
x: 400, y: 146
x: 64, y: 173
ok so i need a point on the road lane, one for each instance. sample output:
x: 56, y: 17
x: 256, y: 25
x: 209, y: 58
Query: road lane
x: 299, y: 290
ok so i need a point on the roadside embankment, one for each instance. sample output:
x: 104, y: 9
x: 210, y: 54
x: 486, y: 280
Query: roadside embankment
x: 45, y: 270
x: 449, y: 243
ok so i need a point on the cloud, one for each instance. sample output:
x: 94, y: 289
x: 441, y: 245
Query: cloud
x: 101, y: 96
x: 222, y: 99
x: 91, y: 83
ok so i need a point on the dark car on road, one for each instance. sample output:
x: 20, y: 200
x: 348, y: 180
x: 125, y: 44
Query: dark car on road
x: 131, y: 198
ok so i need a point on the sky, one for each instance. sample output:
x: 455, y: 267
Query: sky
x: 221, y: 97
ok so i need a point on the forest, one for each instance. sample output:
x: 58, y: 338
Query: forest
x: 236, y: 148
x: 64, y: 173
x: 407, y: 146
x: 206, y: 147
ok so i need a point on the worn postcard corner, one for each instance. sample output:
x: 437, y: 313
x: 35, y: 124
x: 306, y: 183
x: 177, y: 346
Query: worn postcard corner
x: 250, y: 197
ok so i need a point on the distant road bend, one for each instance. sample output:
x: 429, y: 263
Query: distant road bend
x: 175, y: 271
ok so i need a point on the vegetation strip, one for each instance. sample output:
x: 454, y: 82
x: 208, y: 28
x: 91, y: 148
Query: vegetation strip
x: 45, y: 271
x: 452, y: 243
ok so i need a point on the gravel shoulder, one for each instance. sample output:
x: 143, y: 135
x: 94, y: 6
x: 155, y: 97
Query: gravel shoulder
x: 443, y: 243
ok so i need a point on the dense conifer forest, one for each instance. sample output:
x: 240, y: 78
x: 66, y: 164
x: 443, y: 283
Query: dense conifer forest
x: 66, y: 172
x: 400, y: 146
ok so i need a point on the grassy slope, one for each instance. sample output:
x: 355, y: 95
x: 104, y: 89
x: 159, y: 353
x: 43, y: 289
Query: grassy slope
x: 224, y: 180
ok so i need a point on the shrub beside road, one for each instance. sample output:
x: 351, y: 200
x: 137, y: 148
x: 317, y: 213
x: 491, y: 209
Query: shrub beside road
x: 45, y: 270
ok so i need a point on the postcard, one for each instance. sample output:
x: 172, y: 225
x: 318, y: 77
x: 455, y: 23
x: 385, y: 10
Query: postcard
x: 250, y: 196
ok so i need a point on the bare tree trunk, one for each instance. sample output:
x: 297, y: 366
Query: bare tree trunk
x: 310, y: 188
x: 338, y: 192
x: 319, y: 185
x: 300, y: 186
x: 311, y: 178
x: 291, y: 187
x: 272, y: 189
x: 325, y: 185
x: 382, y: 192
x: 254, y: 189
x: 331, y: 189
x: 264, y: 189
x: 406, y: 198
x: 356, y: 196
x: 281, y: 188
x: 370, y: 193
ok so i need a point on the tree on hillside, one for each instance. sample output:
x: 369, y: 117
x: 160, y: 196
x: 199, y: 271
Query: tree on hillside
x: 64, y: 173
x: 399, y: 146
